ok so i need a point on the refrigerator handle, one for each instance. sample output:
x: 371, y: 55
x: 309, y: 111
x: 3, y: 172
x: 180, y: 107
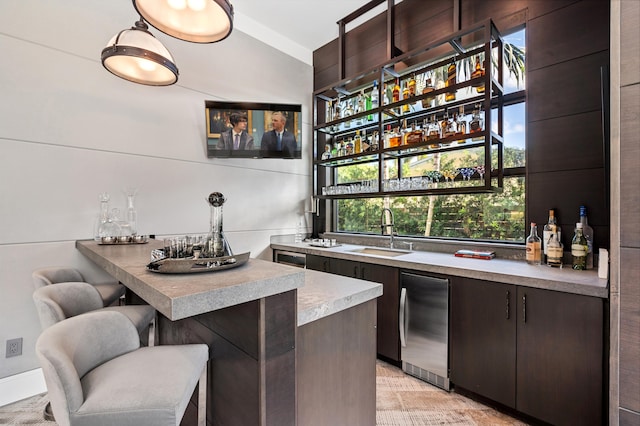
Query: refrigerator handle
x: 402, y: 324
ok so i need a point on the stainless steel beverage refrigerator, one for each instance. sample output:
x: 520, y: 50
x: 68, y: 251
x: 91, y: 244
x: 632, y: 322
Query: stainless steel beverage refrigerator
x: 424, y: 328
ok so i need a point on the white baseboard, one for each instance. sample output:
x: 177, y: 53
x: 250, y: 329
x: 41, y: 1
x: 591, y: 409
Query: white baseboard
x: 20, y: 386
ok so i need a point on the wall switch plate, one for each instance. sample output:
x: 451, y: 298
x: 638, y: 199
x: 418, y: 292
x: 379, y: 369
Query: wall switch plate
x: 14, y: 347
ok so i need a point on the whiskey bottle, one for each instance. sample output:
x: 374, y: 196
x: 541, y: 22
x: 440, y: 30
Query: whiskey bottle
x: 428, y: 88
x: 387, y: 137
x: 434, y: 133
x: 587, y: 231
x: 395, y: 138
x: 405, y: 96
x: 579, y: 249
x: 374, y: 100
x: 533, y: 255
x: 477, y: 73
x: 549, y: 228
x: 554, y: 251
x: 412, y: 85
x: 396, y: 92
x: 414, y: 135
x: 452, y: 70
x: 476, y: 125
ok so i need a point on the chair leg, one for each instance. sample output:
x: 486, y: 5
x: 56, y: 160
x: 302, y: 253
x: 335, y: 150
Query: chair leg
x: 202, y: 397
x: 152, y: 331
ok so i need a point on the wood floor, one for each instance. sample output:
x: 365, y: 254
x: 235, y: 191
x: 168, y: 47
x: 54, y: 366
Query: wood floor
x: 402, y: 400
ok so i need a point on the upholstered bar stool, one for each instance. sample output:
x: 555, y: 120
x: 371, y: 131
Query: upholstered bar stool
x: 55, y: 303
x: 109, y: 292
x: 97, y: 374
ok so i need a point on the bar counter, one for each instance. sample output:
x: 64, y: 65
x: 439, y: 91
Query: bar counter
x: 287, y: 346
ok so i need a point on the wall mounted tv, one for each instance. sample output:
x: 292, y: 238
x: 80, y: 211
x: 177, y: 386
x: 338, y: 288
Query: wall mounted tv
x: 253, y: 130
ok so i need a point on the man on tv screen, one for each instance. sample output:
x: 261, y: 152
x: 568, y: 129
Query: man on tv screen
x: 236, y: 138
x: 278, y: 142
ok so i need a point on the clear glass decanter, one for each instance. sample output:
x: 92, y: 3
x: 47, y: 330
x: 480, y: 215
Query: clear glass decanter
x: 131, y: 214
x: 217, y: 245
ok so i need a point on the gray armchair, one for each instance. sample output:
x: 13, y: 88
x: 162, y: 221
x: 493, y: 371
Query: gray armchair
x: 55, y: 303
x: 109, y: 292
x: 97, y: 374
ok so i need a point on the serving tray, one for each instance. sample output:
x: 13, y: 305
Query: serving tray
x: 203, y: 264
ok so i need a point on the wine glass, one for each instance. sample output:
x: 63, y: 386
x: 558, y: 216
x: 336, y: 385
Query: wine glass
x: 467, y: 172
x: 480, y: 170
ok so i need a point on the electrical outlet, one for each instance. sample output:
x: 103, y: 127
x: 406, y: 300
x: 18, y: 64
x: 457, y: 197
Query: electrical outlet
x: 14, y: 347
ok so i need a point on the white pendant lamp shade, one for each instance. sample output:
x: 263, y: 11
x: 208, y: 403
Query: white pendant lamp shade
x: 198, y: 21
x: 136, y: 55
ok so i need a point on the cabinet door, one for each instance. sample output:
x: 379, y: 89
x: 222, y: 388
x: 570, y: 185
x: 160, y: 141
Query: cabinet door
x: 388, y: 344
x: 560, y: 356
x: 318, y: 263
x: 483, y: 338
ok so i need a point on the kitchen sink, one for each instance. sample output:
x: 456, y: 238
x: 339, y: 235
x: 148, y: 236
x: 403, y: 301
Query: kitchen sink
x: 380, y: 251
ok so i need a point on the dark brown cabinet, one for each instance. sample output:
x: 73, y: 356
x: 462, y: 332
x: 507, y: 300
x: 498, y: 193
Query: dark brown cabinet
x: 483, y: 338
x: 388, y: 335
x: 538, y: 351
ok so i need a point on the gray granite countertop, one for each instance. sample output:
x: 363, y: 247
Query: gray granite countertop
x: 178, y: 296
x: 325, y: 294
x: 499, y: 270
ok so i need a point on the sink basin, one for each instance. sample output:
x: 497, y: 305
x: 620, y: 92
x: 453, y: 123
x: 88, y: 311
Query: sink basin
x: 380, y: 251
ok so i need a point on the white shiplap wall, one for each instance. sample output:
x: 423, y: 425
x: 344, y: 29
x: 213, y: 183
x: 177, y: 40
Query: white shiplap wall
x: 70, y: 130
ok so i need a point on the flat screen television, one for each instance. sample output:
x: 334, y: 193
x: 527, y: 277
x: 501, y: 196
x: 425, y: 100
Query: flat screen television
x: 263, y: 130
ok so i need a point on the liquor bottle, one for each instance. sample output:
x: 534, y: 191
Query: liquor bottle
x: 554, y: 251
x: 395, y: 138
x: 364, y: 142
x: 452, y: 70
x: 428, y: 88
x: 439, y: 84
x: 374, y: 100
x: 395, y: 97
x: 327, y: 152
x: 349, y: 147
x: 549, y: 229
x: 461, y: 125
x: 404, y: 133
x: 360, y: 107
x: 387, y: 137
x: 476, y: 124
x: 478, y: 72
x: 587, y: 231
x: 405, y: 96
x: 434, y: 133
x: 357, y: 143
x: 375, y: 141
x: 415, y: 135
x: 534, y: 255
x: 579, y: 249
x: 412, y: 85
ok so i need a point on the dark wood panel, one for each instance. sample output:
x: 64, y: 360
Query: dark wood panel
x: 542, y: 7
x: 630, y: 165
x: 336, y: 368
x: 560, y: 357
x: 571, y: 87
x: 280, y: 389
x: 565, y: 192
x: 280, y: 321
x: 565, y: 143
x: 571, y: 32
x: 388, y: 333
x: 238, y: 324
x: 483, y: 338
x: 500, y: 11
x: 630, y: 328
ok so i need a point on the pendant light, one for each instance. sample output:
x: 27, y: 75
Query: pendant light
x: 198, y: 21
x: 136, y: 55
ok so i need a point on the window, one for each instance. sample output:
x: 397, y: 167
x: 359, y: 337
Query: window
x: 487, y: 217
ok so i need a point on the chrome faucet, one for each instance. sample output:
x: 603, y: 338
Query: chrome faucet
x: 384, y: 225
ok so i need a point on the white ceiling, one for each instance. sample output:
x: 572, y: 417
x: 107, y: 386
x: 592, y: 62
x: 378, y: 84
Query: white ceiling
x: 297, y: 27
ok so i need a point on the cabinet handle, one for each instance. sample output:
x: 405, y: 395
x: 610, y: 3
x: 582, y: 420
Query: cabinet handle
x: 401, y: 322
x: 325, y: 266
x: 355, y: 271
x: 524, y: 308
x: 508, y: 304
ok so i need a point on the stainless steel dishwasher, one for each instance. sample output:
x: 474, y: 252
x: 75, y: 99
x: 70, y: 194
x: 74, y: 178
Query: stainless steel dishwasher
x: 424, y: 328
